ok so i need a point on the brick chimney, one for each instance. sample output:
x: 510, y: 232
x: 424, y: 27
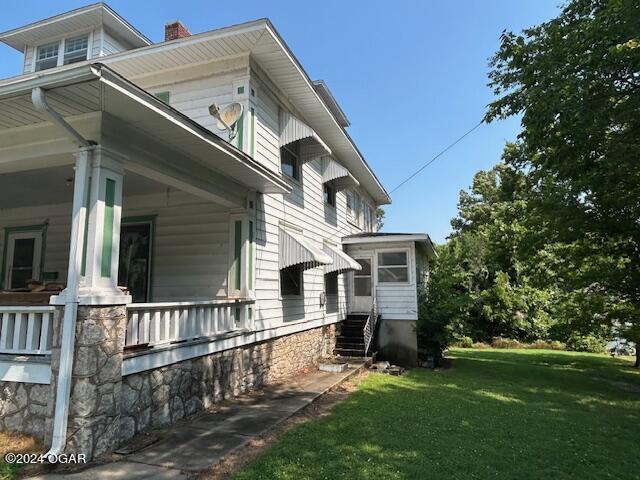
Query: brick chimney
x: 175, y: 30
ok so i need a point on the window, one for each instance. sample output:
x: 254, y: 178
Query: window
x: 357, y: 209
x: 349, y: 202
x: 23, y: 256
x: 290, y: 160
x: 393, y: 267
x: 291, y: 280
x: 329, y: 192
x: 362, y: 278
x: 331, y: 283
x: 75, y: 49
x: 47, y: 56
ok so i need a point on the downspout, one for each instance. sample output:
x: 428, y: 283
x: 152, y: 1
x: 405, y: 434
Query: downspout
x: 63, y: 390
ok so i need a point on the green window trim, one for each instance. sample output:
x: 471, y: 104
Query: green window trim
x: 250, y: 260
x: 238, y: 255
x: 252, y: 132
x: 164, y: 96
x: 240, y: 134
x: 28, y: 228
x: 107, y: 234
x: 87, y: 199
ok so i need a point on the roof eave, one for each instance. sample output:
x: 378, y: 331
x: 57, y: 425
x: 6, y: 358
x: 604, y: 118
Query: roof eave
x: 5, y: 37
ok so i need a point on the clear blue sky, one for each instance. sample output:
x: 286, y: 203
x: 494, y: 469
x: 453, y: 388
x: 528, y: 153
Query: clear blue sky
x: 410, y: 75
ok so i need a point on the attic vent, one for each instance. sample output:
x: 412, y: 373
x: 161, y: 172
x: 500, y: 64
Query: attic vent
x: 175, y: 30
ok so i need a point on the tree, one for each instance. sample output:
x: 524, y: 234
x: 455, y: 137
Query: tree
x: 576, y: 82
x: 380, y: 213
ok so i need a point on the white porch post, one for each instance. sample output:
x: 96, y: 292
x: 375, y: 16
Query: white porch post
x: 99, y: 284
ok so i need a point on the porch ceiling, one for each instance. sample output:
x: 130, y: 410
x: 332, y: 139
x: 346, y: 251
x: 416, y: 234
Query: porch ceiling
x: 145, y: 122
x: 51, y: 186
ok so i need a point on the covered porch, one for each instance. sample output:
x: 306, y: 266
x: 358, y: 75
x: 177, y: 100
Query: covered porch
x: 152, y: 212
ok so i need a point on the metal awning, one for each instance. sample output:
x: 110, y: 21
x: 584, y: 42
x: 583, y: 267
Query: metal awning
x: 297, y: 250
x: 341, y: 261
x: 332, y: 171
x: 293, y: 129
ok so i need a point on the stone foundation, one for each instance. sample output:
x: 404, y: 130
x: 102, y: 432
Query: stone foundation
x: 26, y: 407
x: 162, y: 396
x: 96, y: 380
x: 107, y: 409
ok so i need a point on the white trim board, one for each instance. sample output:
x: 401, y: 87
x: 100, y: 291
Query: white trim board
x: 180, y: 353
x: 25, y: 372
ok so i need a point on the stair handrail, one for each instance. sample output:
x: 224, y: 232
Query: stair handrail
x: 370, y: 325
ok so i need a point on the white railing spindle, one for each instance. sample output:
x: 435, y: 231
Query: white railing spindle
x: 162, y: 323
x: 27, y: 330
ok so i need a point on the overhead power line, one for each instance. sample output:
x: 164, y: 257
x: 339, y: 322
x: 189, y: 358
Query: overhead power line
x: 442, y: 152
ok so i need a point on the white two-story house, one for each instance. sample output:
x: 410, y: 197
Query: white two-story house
x: 129, y: 210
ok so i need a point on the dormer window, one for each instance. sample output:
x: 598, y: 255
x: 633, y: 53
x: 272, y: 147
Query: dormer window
x: 75, y: 49
x: 47, y: 56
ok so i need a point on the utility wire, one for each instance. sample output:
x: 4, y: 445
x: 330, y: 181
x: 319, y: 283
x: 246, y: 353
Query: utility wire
x: 449, y: 147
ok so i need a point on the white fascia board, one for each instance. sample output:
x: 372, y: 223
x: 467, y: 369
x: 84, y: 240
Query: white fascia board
x: 298, y: 66
x: 385, y: 239
x: 47, y: 80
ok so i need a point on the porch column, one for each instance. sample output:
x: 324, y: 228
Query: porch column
x: 99, y: 284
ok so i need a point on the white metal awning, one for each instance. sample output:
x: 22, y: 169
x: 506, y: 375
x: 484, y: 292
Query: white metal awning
x: 341, y: 261
x: 332, y: 171
x: 293, y: 129
x: 297, y: 250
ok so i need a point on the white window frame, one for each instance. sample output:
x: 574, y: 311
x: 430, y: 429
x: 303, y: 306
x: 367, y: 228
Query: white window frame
x: 408, y: 265
x: 11, y: 237
x: 283, y: 296
x: 36, y: 55
x: 61, y: 47
x: 296, y: 153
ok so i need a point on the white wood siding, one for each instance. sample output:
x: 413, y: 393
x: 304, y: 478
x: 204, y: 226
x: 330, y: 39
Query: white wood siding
x: 396, y: 301
x: 190, y: 245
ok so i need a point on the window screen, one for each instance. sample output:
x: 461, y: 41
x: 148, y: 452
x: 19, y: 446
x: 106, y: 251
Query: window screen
x: 393, y: 267
x: 291, y: 280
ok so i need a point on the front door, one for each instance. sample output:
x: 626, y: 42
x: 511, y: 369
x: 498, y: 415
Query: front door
x: 362, y: 299
x: 24, y: 251
x: 135, y: 259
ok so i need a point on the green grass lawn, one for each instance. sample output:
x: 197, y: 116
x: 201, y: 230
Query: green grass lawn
x: 512, y: 414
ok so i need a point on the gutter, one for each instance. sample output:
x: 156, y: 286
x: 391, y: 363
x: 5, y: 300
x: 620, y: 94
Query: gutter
x: 63, y: 390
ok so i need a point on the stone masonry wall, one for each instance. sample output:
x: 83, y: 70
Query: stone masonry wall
x: 26, y: 407
x: 96, y: 379
x: 162, y: 396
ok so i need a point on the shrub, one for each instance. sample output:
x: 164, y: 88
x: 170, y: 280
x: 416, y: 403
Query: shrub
x: 585, y: 343
x: 463, y: 342
x: 480, y: 345
x: 499, y: 342
x: 545, y: 345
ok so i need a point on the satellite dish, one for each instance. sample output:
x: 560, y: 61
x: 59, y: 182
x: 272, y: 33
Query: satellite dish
x: 227, y: 117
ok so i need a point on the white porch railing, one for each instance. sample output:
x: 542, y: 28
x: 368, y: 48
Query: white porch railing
x: 27, y: 330
x: 161, y: 323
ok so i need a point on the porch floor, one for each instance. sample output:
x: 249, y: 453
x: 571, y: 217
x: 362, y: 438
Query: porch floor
x: 201, y: 441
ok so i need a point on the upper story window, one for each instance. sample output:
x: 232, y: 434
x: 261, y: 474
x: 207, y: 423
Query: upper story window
x: 329, y: 192
x: 47, y: 56
x: 349, y: 196
x: 290, y: 160
x: 76, y: 49
x: 64, y: 52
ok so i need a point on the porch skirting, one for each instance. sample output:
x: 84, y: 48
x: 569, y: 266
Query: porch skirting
x: 108, y: 408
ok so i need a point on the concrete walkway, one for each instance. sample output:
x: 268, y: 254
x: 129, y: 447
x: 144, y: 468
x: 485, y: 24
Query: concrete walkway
x: 203, y: 440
